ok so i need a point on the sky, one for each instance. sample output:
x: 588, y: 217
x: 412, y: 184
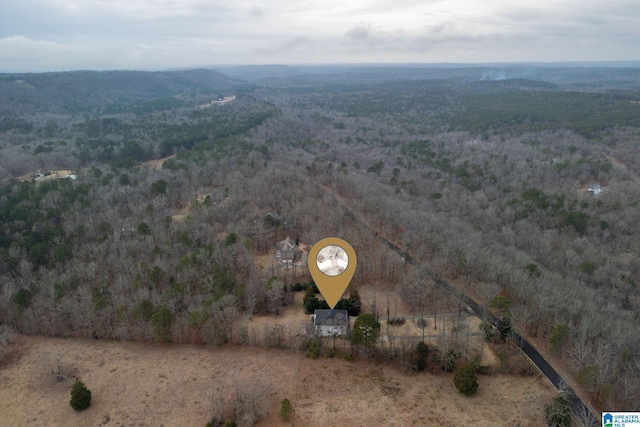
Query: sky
x: 59, y: 35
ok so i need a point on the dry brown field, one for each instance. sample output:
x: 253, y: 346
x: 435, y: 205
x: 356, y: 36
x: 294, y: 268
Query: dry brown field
x: 145, y: 384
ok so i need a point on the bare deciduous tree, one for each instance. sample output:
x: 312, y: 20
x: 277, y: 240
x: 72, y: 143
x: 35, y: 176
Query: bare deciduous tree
x: 52, y: 363
x: 6, y: 336
x: 251, y: 399
x: 225, y: 313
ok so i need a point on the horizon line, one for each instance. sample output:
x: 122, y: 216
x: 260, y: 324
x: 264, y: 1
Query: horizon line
x: 592, y: 63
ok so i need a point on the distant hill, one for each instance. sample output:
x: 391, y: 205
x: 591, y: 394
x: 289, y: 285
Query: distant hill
x: 141, y: 91
x: 258, y: 72
x: 78, y: 90
x: 565, y: 76
x: 508, y: 85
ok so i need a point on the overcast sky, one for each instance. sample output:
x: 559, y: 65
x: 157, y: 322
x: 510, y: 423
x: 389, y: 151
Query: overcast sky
x: 47, y: 35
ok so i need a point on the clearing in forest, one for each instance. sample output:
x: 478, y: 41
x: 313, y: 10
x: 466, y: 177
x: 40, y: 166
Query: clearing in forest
x: 151, y: 385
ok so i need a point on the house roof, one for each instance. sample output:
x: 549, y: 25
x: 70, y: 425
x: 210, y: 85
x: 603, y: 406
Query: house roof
x: 288, y: 249
x: 324, y: 317
x: 286, y: 244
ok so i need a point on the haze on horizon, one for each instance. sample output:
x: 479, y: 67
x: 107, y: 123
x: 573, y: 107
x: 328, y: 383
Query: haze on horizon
x: 57, y: 35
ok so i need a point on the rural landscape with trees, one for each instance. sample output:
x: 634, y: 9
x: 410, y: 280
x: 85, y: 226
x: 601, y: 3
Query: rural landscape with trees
x: 145, y: 206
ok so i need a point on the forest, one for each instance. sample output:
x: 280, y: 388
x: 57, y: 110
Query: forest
x: 519, y: 181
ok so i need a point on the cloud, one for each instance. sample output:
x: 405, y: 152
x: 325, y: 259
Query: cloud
x: 359, y: 32
x: 66, y: 34
x: 522, y: 14
x: 256, y: 11
x: 285, y: 46
x: 21, y: 54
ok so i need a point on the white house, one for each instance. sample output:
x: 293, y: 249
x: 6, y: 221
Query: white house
x: 595, y: 189
x: 329, y: 323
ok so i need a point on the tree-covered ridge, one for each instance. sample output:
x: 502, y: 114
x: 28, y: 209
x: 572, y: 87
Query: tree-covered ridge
x: 126, y: 139
x: 514, y: 106
x: 518, y: 112
x: 83, y: 91
x: 32, y: 222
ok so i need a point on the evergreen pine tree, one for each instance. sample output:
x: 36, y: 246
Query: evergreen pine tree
x: 80, y: 396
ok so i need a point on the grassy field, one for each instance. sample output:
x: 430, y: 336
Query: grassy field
x: 153, y: 385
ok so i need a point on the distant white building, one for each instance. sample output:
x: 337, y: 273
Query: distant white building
x: 595, y: 189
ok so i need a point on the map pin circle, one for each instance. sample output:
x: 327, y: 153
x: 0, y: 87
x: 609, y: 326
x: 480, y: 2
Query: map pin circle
x: 332, y: 263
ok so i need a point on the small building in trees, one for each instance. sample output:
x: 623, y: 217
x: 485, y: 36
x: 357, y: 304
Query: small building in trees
x: 329, y: 323
x: 287, y: 253
x: 40, y: 174
x: 596, y: 189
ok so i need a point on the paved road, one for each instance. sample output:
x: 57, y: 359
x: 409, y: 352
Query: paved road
x: 556, y: 379
x: 577, y: 405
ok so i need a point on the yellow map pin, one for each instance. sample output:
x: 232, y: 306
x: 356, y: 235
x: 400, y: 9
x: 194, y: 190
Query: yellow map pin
x: 332, y: 263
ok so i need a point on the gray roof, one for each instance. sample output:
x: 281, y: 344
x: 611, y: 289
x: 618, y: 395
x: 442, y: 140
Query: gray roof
x: 286, y: 244
x: 288, y: 250
x: 324, y: 317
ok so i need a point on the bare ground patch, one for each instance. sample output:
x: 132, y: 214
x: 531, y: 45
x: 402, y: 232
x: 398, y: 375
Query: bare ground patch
x: 156, y: 163
x: 53, y: 174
